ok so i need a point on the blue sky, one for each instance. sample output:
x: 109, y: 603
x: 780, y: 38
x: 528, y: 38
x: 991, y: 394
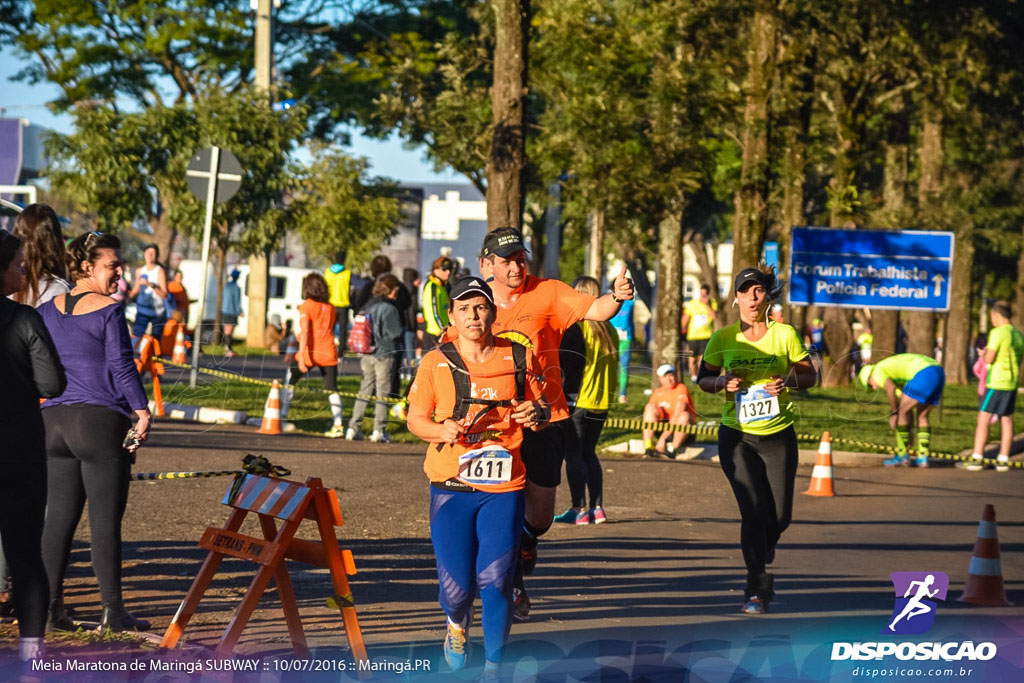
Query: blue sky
x: 388, y: 158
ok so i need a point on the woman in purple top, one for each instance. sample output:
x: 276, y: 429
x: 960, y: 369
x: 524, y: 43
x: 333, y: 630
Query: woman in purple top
x: 87, y: 424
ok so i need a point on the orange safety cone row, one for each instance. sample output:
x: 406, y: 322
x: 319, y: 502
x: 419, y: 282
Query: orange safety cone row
x: 178, y: 355
x: 821, y: 477
x: 985, y: 576
x: 272, y: 412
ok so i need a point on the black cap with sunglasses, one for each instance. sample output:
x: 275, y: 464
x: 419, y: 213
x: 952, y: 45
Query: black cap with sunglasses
x: 503, y: 242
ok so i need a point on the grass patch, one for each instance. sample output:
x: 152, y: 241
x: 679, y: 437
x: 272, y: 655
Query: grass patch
x: 847, y: 412
x: 80, y: 636
x: 309, y: 409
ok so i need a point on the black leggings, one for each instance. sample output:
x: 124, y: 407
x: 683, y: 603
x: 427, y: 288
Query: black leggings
x: 762, y: 472
x: 86, y: 460
x: 329, y: 373
x: 581, y: 465
x: 22, y: 507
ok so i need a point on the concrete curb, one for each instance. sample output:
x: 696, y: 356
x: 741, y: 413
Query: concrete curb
x: 180, y: 411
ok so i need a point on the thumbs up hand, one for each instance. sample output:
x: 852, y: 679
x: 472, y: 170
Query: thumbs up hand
x: 622, y: 288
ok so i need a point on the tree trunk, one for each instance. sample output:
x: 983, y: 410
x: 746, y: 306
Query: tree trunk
x: 1018, y: 308
x: 637, y: 265
x: 751, y: 217
x: 838, y: 333
x: 669, y: 274
x: 920, y: 332
x: 883, y: 329
x: 708, y: 265
x: 222, y: 262
x: 921, y: 325
x: 506, y: 164
x: 838, y: 340
x: 256, y: 284
x: 164, y: 234
x: 595, y: 264
x: 956, y: 343
x: 894, y: 197
x: 794, y: 177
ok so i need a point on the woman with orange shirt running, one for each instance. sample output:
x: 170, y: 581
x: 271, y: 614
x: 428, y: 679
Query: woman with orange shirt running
x: 316, y: 347
x: 474, y: 466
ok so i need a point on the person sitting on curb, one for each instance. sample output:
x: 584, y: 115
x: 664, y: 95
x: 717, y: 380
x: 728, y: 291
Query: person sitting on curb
x: 911, y: 380
x: 671, y: 402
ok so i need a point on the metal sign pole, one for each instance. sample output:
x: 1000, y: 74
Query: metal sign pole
x: 211, y: 197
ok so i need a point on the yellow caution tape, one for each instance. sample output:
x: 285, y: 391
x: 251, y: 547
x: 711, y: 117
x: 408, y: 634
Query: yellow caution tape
x: 250, y: 380
x: 709, y: 428
x: 341, y: 601
x: 152, y: 476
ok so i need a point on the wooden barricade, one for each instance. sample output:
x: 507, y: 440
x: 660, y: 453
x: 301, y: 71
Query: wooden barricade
x: 149, y: 360
x: 291, y: 502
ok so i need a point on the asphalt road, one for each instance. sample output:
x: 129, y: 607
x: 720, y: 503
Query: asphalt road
x: 666, y: 565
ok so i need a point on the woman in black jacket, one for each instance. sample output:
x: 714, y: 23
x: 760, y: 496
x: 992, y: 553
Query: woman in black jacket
x: 376, y: 367
x: 29, y: 370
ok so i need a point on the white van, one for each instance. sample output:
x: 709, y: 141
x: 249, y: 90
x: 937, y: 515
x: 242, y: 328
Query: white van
x: 284, y: 292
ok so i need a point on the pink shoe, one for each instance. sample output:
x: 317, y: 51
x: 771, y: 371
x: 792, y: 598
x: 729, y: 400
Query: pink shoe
x: 597, y: 514
x: 584, y: 517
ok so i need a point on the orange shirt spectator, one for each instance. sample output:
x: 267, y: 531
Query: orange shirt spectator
x: 670, y: 402
x: 433, y: 392
x: 177, y: 290
x: 318, y: 348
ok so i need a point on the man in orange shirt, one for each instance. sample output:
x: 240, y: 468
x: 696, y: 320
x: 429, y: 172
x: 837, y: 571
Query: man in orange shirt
x: 671, y: 402
x: 176, y: 289
x: 472, y: 399
x: 538, y: 311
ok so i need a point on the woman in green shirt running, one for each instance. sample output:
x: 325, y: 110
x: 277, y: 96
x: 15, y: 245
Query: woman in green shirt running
x: 757, y: 445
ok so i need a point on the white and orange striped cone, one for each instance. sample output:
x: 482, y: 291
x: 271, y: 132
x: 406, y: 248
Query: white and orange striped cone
x: 821, y: 476
x: 985, y: 576
x: 178, y: 355
x: 272, y: 411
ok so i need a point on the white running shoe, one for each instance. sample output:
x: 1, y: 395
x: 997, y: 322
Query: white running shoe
x: 353, y: 435
x: 379, y: 437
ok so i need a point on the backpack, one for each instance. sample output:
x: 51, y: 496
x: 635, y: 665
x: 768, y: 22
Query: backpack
x: 360, y: 337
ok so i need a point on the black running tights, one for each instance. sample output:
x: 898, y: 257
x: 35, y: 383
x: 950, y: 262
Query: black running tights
x: 581, y: 465
x: 762, y: 472
x: 22, y: 507
x: 86, y: 461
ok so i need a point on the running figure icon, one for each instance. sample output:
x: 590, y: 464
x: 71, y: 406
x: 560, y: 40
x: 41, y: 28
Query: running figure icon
x: 915, y: 606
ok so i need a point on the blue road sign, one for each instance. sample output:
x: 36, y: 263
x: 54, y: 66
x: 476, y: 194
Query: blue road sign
x: 871, y: 268
x: 771, y: 254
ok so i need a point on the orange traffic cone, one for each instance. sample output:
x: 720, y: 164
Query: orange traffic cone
x: 985, y: 575
x: 821, y: 476
x: 272, y: 411
x: 178, y: 355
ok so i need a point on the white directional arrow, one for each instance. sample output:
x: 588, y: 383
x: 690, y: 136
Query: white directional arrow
x: 938, y: 280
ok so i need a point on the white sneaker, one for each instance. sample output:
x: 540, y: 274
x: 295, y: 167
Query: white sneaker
x: 1003, y: 465
x: 379, y: 437
x: 353, y: 435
